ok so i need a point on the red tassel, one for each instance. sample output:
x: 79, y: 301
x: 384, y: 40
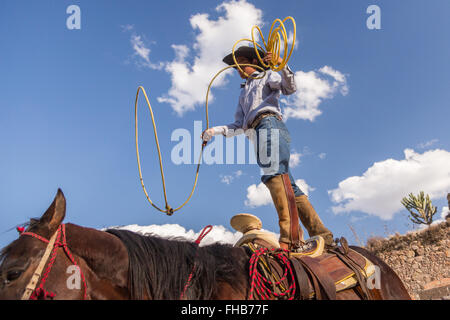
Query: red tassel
x: 42, y: 294
x: 20, y: 229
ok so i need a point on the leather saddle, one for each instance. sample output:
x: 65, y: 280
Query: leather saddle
x: 320, y: 272
x: 320, y: 275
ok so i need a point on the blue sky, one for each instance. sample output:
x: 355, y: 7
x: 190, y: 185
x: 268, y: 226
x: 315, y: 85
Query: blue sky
x: 365, y: 96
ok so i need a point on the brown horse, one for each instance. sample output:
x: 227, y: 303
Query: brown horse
x: 119, y: 264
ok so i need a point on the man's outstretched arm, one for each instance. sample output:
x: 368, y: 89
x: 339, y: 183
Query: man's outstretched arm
x: 228, y: 130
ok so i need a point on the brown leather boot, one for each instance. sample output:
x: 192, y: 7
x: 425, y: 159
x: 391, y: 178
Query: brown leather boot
x: 284, y: 245
x: 311, y: 221
x: 277, y: 189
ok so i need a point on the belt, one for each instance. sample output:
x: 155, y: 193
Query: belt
x: 262, y: 116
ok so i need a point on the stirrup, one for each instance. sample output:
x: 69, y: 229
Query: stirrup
x: 312, y: 247
x: 333, y: 245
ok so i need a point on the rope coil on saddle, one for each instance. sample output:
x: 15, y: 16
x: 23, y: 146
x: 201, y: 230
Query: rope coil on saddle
x: 259, y: 284
x: 272, y: 45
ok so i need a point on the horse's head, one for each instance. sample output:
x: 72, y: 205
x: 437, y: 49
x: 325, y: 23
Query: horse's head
x: 20, y: 259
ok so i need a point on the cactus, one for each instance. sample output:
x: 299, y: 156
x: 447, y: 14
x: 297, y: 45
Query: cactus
x: 420, y: 208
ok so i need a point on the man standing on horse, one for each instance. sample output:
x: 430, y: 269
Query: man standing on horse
x: 259, y: 109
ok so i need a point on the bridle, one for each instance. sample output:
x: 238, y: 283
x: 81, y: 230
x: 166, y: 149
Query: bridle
x: 57, y: 240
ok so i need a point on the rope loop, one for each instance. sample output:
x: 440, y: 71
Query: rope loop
x: 168, y: 210
x: 203, y: 234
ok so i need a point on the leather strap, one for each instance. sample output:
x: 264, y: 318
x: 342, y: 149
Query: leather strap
x: 37, y: 273
x: 296, y: 232
x: 324, y: 286
x: 262, y: 116
x: 302, y: 279
x: 361, y: 278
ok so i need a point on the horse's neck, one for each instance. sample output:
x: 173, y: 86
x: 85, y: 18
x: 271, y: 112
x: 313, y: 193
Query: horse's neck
x: 104, y: 254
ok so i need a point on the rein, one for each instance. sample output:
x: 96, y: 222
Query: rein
x: 56, y: 241
x: 203, y: 234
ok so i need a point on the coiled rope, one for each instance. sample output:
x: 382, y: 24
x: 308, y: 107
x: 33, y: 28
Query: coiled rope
x: 272, y: 45
x: 259, y: 284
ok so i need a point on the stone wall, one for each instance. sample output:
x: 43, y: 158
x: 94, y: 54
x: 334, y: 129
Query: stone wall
x: 421, y: 259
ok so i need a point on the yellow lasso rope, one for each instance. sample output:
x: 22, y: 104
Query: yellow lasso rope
x: 169, y: 210
x: 272, y: 45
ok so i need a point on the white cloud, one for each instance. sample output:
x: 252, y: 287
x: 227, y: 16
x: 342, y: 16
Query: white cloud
x: 444, y: 212
x: 304, y: 186
x: 290, y: 39
x: 259, y: 195
x: 142, y: 52
x: 214, y: 39
x: 294, y: 160
x: 427, y: 144
x: 228, y: 179
x: 217, y: 234
x: 312, y: 88
x: 380, y: 189
x: 323, y: 155
x: 127, y: 27
x: 139, y: 48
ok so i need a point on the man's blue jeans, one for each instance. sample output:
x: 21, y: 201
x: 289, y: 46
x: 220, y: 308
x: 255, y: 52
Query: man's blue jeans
x: 273, y: 150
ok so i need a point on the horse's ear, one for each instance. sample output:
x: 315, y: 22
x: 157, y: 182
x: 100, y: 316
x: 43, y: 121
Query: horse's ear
x: 55, y: 214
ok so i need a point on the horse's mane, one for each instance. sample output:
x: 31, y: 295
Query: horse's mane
x: 159, y: 268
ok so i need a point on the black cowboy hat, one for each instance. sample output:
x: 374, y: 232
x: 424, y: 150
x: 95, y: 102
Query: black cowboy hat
x: 245, y: 51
